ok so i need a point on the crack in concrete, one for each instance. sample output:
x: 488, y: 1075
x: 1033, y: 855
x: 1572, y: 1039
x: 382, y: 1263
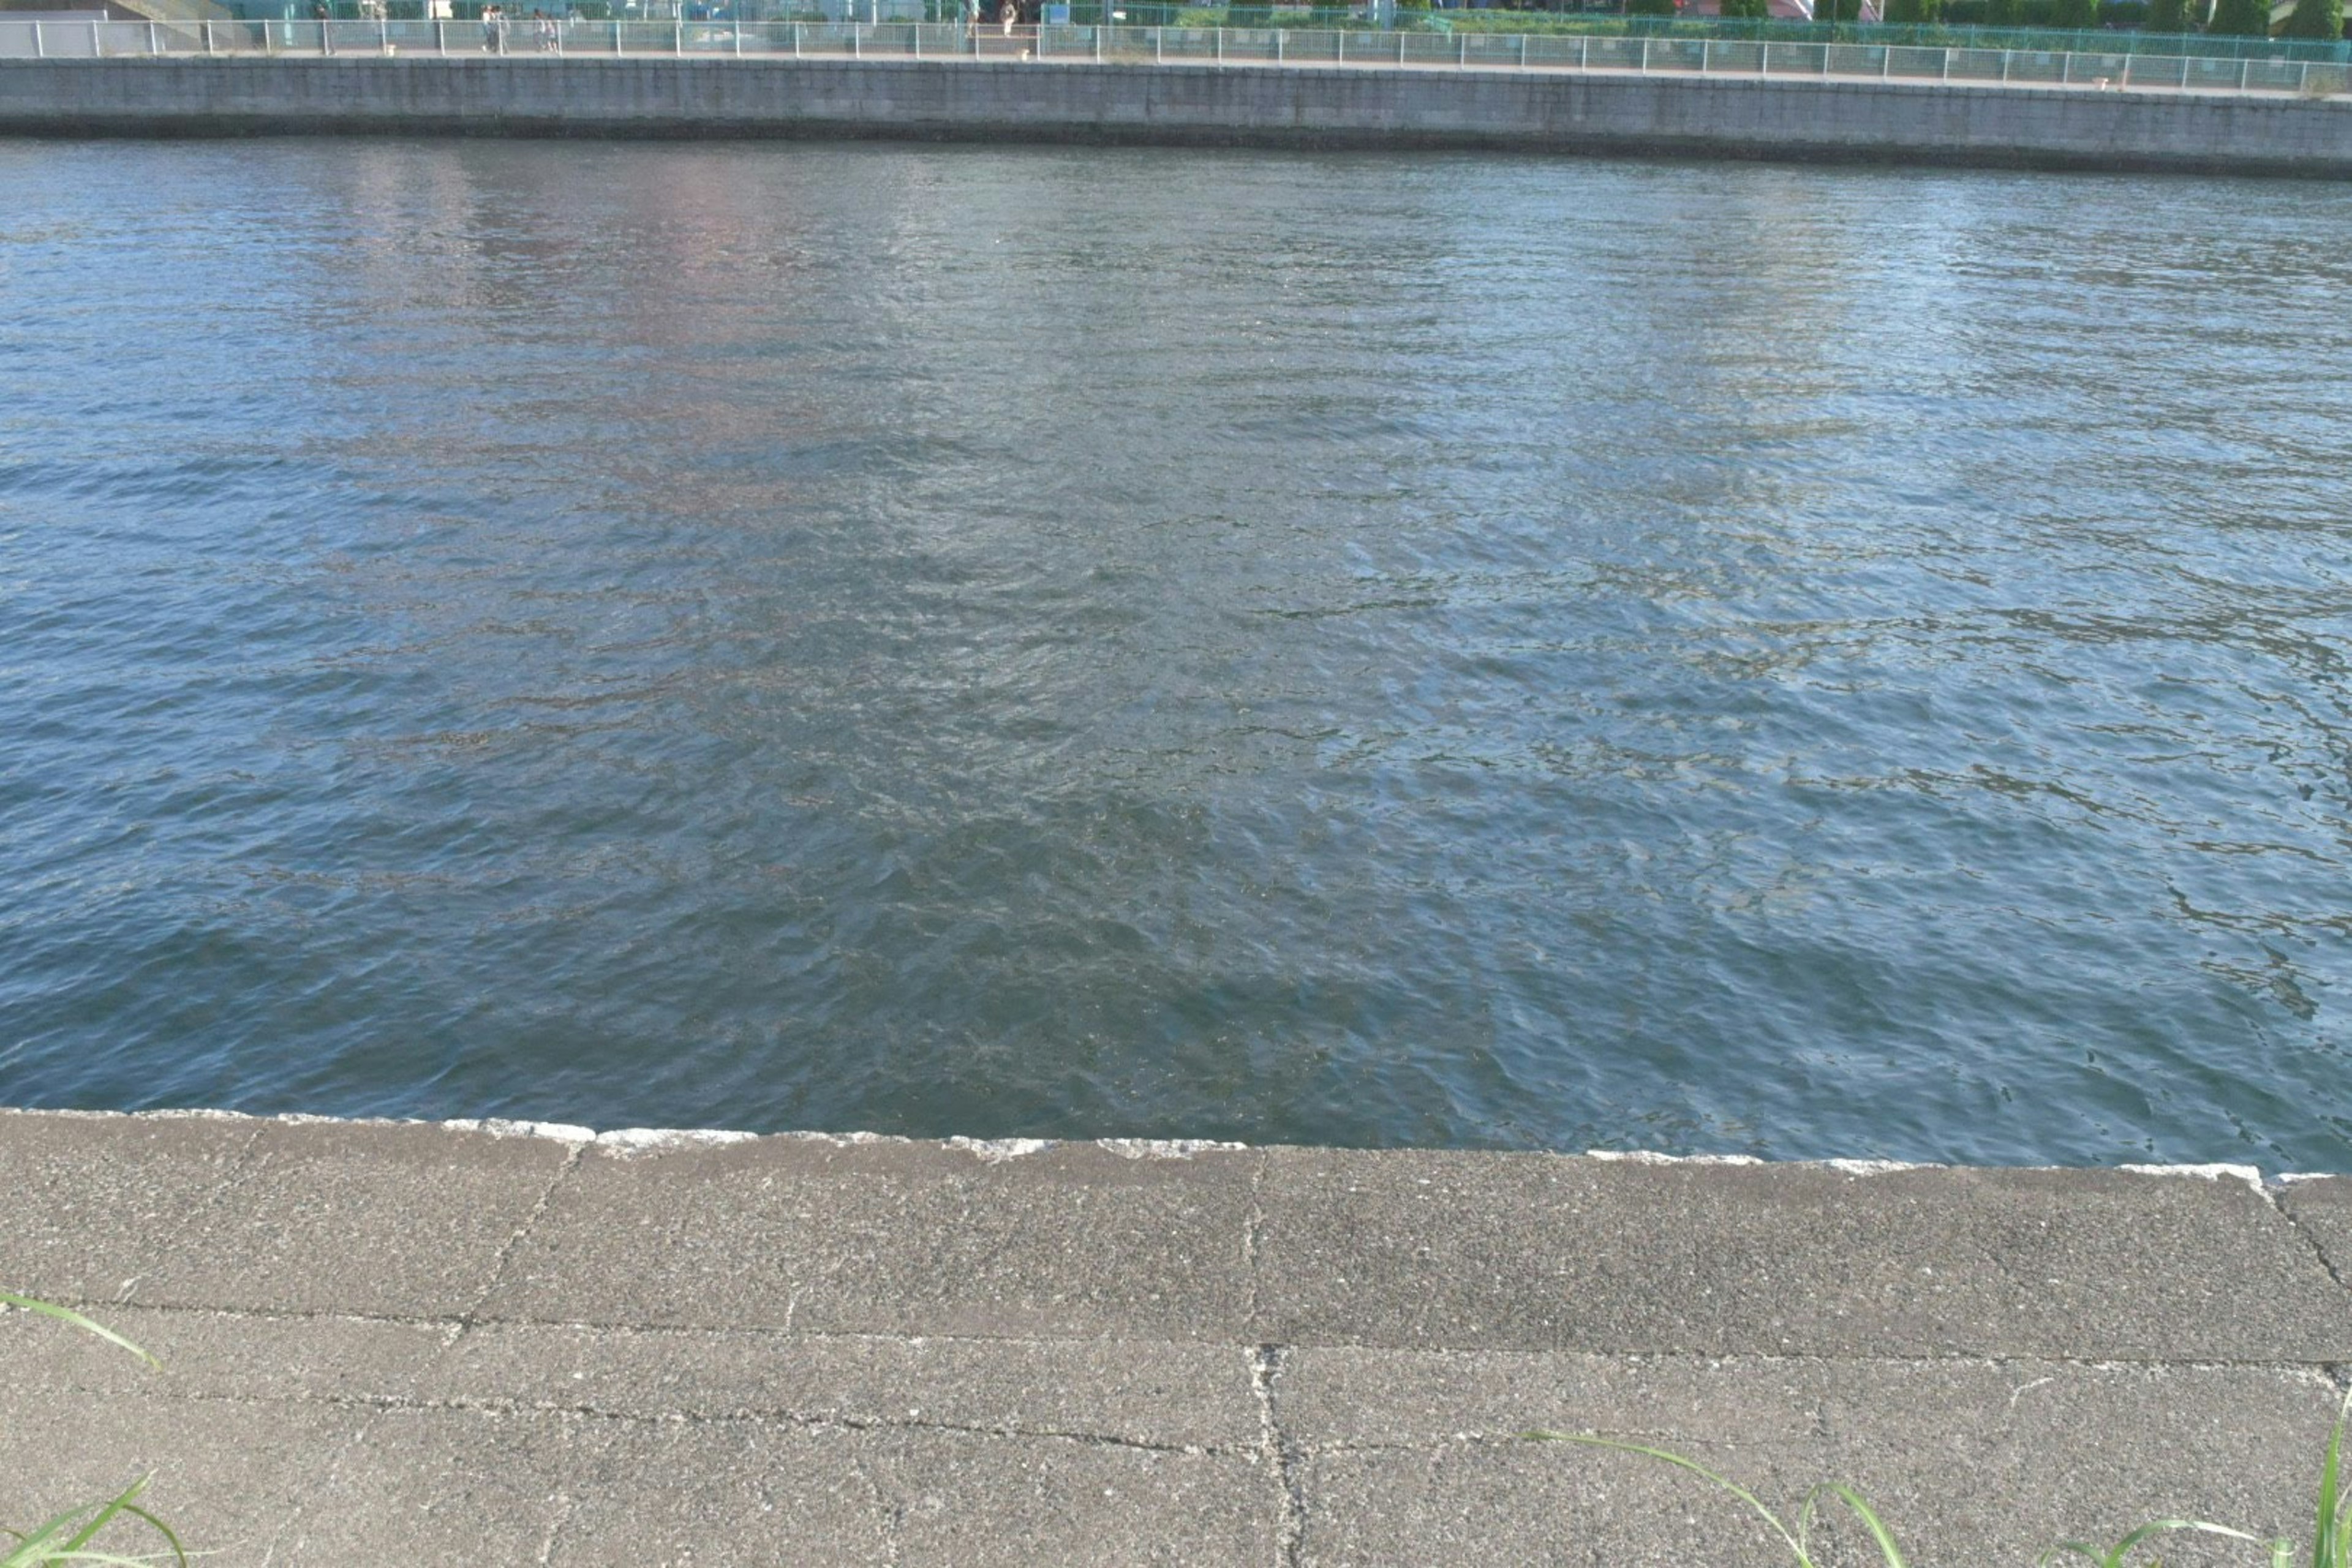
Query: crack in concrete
x: 808, y: 1420
x: 1253, y: 1235
x: 241, y: 1168
x: 888, y: 1516
x: 461, y: 1323
x: 2276, y: 1197
x: 560, y: 1516
x: 523, y: 1227
x: 1281, y: 1456
x: 301, y: 1504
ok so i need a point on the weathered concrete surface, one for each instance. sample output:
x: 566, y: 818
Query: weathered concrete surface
x: 403, y: 1344
x: 1367, y: 106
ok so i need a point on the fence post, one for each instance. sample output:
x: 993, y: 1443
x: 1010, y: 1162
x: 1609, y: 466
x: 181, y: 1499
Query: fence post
x: 2243, y: 64
x: 1277, y: 45
x: 1158, y: 39
x: 1523, y: 50
x: 40, y: 51
x: 677, y: 37
x: 1400, y: 48
x: 1221, y: 45
x: 1704, y: 45
x: 1764, y: 61
x: 1461, y: 48
x: 154, y: 47
x: 2303, y: 78
x: 1341, y: 57
x: 1645, y: 54
x: 2004, y: 65
x: 208, y: 37
x: 1584, y: 52
x: 2066, y: 68
x: 1948, y: 65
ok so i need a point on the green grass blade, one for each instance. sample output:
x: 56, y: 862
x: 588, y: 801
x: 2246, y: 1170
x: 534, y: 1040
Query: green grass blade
x: 1682, y: 1462
x: 105, y: 1515
x: 179, y: 1553
x: 2331, y: 1542
x: 48, y: 1537
x: 1870, y: 1521
x: 67, y: 1537
x: 68, y: 1315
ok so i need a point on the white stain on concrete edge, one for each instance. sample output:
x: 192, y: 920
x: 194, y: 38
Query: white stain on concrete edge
x: 634, y: 1142
x: 1652, y: 1157
x: 994, y: 1151
x: 627, y: 1141
x: 2245, y: 1174
x: 1163, y: 1148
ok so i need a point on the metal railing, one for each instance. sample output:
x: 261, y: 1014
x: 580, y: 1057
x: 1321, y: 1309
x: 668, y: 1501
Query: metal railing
x: 569, y: 39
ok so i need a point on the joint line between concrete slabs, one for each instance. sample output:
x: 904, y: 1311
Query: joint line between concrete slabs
x: 1252, y: 1233
x: 805, y: 1420
x: 1282, y: 1455
x: 455, y: 1329
x: 454, y: 1324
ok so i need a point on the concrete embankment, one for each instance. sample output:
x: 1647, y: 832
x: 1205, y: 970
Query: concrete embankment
x: 1562, y: 110
x: 402, y: 1343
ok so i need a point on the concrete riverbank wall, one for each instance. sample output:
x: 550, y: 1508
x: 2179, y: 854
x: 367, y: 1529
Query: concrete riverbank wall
x: 400, y: 1342
x: 1364, y: 107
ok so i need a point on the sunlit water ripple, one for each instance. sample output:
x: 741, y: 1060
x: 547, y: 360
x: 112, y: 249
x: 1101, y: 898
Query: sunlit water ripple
x: 1433, y: 650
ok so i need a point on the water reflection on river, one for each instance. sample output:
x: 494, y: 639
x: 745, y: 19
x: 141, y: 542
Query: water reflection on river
x: 1346, y: 649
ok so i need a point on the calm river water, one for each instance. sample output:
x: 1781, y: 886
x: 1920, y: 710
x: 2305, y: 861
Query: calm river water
x: 1363, y: 650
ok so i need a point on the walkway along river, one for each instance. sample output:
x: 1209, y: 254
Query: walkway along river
x: 1204, y: 85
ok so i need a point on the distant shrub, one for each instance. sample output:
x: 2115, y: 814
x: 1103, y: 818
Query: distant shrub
x: 2242, y: 18
x: 2168, y: 16
x: 2076, y: 16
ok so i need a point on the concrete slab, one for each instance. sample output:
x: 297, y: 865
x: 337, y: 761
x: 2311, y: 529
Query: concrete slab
x: 390, y: 1219
x: 421, y: 1485
x: 93, y: 1202
x: 894, y: 1237
x: 955, y: 1497
x: 726, y: 1492
x: 2322, y: 1208
x: 1410, y: 1456
x: 222, y: 1355
x: 226, y: 1476
x: 1540, y: 1251
x: 420, y: 1345
x: 1149, y: 1395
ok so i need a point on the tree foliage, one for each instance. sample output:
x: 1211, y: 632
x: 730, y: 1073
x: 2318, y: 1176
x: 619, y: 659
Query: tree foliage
x: 2168, y: 16
x: 2242, y: 18
x: 2315, y: 19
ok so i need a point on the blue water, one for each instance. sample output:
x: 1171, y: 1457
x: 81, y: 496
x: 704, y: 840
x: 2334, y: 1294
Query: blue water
x: 1364, y: 650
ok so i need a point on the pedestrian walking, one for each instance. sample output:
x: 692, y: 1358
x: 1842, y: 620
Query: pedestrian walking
x: 326, y: 34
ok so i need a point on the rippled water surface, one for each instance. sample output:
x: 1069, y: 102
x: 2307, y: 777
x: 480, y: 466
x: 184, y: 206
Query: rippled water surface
x: 1432, y: 650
